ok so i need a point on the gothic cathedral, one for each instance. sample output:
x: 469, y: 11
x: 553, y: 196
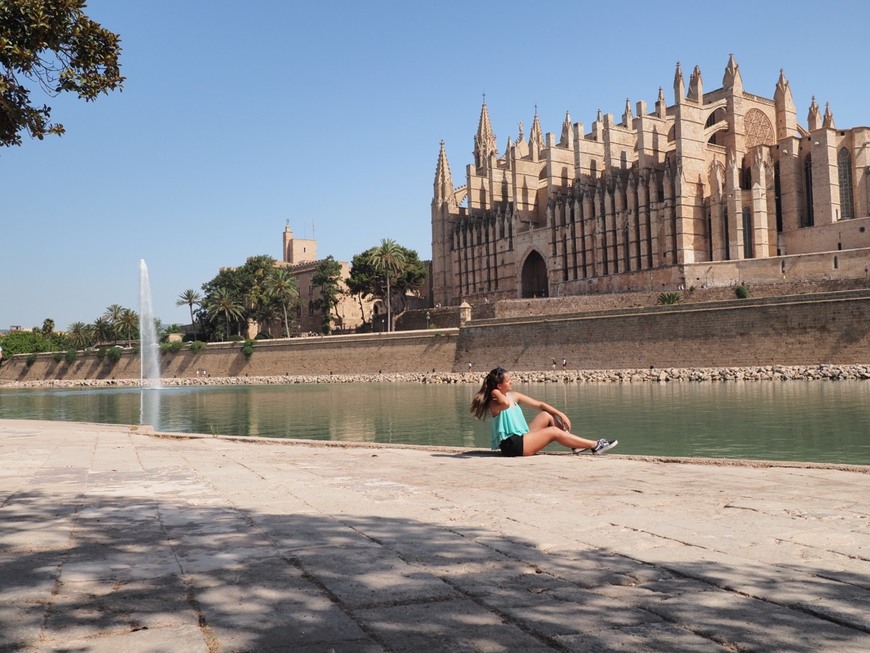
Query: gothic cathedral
x: 720, y: 188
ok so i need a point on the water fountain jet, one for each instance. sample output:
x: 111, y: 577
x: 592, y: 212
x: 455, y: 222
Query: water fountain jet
x: 149, y: 353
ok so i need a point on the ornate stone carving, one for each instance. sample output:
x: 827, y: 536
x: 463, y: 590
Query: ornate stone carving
x: 759, y: 130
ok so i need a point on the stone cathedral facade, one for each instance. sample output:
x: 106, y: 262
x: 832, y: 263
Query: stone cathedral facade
x: 719, y: 188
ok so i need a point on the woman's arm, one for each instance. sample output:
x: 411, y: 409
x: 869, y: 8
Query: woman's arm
x: 498, y: 402
x: 540, y: 405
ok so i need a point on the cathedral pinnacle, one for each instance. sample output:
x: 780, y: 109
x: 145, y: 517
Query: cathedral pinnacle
x: 567, y: 131
x: 828, y: 121
x: 627, y: 116
x: 536, y: 137
x: 443, y: 180
x: 732, y: 74
x: 679, y: 85
x: 484, y: 140
x: 814, y: 121
x: 696, y: 86
x: 783, y: 89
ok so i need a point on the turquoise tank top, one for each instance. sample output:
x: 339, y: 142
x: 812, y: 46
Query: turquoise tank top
x: 508, y: 422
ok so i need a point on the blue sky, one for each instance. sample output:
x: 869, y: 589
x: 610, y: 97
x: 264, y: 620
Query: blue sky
x: 239, y: 116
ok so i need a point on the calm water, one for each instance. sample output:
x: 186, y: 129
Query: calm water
x: 807, y: 421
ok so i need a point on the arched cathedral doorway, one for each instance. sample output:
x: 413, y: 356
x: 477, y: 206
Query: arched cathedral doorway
x: 534, y: 276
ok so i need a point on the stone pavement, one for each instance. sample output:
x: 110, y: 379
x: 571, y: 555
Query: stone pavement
x: 112, y: 539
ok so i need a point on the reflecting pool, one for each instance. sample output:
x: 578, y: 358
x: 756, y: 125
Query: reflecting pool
x: 820, y: 421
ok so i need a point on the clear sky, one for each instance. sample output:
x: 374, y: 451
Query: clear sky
x: 239, y: 116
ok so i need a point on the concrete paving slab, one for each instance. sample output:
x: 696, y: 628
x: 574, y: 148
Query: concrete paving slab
x: 113, y: 538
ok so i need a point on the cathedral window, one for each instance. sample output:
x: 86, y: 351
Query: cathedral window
x: 807, y: 218
x: 844, y: 175
x: 747, y: 233
x: 777, y: 192
x: 746, y: 178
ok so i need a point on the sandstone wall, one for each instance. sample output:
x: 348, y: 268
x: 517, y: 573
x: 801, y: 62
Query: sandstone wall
x: 827, y: 328
x: 831, y: 328
x: 356, y: 354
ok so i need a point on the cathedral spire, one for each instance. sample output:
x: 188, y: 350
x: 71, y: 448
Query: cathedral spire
x: 786, y: 113
x: 484, y: 140
x: 828, y: 120
x: 696, y: 86
x: 567, y: 132
x: 443, y: 181
x: 536, y: 137
x: 732, y: 74
x: 679, y: 85
x: 814, y: 121
x: 661, y: 105
x: 627, y: 116
x: 783, y: 89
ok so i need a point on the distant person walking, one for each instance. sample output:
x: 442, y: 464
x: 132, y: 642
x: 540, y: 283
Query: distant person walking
x: 510, y: 431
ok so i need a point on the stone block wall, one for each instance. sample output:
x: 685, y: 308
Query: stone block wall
x: 825, y: 328
x: 358, y: 354
x: 832, y: 328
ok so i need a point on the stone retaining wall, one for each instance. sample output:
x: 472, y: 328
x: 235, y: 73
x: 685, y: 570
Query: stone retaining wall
x: 352, y: 354
x: 804, y: 330
x: 832, y: 328
x: 673, y: 375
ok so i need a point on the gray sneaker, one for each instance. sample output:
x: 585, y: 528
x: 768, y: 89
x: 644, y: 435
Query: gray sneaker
x: 603, y: 445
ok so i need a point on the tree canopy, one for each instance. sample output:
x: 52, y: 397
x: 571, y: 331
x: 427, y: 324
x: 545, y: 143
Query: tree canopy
x: 257, y: 291
x: 326, y: 277
x: 52, y: 45
x: 388, y: 262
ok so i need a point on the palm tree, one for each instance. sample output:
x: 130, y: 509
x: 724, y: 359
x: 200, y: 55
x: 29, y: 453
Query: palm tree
x: 103, y: 330
x: 191, y: 298
x: 113, y: 315
x: 389, y: 258
x: 47, y: 327
x: 127, y: 323
x: 282, y: 287
x: 80, y: 334
x: 223, y: 303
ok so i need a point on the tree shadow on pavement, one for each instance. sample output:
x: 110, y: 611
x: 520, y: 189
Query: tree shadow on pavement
x: 170, y: 574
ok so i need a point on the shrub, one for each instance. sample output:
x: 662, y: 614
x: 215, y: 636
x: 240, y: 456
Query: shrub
x: 114, y: 354
x: 196, y: 345
x: 248, y: 348
x: 70, y: 356
x: 30, y: 360
x: 670, y: 298
x: 58, y: 356
x: 170, y: 347
x: 101, y: 353
x: 741, y: 291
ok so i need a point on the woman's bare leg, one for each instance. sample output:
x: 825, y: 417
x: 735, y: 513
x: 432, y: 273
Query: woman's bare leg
x: 534, y: 441
x: 541, y: 421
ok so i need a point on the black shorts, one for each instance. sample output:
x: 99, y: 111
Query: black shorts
x: 512, y: 446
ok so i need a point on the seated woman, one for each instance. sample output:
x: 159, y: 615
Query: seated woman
x: 510, y: 431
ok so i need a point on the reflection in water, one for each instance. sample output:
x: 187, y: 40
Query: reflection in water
x: 813, y: 421
x: 149, y: 406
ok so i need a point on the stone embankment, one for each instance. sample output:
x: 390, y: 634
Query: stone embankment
x: 652, y: 375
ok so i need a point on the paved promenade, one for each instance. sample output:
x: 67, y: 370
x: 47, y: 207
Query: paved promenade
x: 117, y: 540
